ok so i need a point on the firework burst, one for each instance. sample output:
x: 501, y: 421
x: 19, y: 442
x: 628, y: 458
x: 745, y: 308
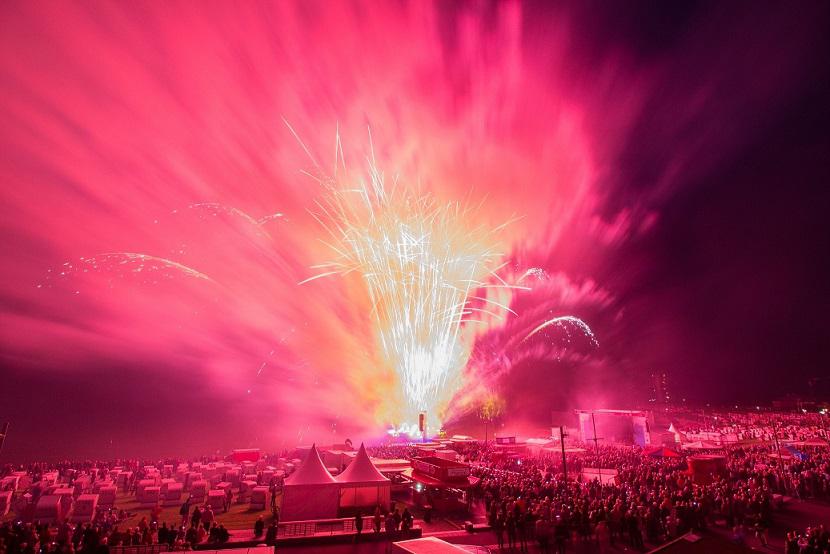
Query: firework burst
x: 421, y: 267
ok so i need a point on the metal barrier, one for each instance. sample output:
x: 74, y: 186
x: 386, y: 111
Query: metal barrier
x: 140, y: 549
x: 314, y: 527
x: 475, y: 549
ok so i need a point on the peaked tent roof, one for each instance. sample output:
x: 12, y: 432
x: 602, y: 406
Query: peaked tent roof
x: 312, y: 472
x: 361, y: 470
x: 663, y: 452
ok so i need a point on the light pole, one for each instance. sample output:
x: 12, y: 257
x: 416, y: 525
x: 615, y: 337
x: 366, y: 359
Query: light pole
x: 780, y: 463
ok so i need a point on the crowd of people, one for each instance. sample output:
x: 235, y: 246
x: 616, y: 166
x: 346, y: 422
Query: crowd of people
x: 644, y: 499
x: 197, y: 524
x: 651, y: 499
x: 757, y: 425
x: 97, y: 538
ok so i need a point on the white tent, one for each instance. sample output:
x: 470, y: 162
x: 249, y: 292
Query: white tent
x: 362, y: 485
x: 310, y: 492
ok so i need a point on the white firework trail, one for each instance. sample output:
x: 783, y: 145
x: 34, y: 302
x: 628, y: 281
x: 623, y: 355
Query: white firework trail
x: 150, y: 269
x: 420, y: 266
x: 566, y: 323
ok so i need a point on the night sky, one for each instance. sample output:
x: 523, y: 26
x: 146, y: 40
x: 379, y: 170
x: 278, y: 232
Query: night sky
x: 668, y: 165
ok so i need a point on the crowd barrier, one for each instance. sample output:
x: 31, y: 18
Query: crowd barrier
x: 338, y: 526
x: 140, y: 549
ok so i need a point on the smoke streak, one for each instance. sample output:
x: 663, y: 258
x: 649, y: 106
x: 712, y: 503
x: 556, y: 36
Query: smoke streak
x: 157, y: 129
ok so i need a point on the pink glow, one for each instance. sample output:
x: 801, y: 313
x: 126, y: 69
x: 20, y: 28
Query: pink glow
x: 119, y: 117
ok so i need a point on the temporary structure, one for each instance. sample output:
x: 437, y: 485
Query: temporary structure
x: 84, y: 508
x: 260, y: 498
x: 149, y: 496
x: 310, y: 492
x: 106, y: 496
x: 173, y: 495
x: 362, y: 485
x: 49, y: 509
x: 199, y: 490
x: 216, y: 500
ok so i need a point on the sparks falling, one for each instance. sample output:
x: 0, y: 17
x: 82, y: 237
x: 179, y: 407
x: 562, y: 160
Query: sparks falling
x: 420, y: 265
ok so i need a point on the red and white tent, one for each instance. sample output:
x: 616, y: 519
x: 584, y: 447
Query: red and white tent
x: 310, y: 492
x: 362, y: 485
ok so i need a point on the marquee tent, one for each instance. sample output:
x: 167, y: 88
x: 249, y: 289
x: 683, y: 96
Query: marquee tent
x: 362, y: 485
x: 310, y: 492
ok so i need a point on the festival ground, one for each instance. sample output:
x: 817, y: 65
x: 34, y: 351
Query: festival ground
x: 740, y: 477
x: 796, y: 515
x: 239, y: 520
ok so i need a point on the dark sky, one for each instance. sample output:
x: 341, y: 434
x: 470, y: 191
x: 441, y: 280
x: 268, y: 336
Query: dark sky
x: 670, y: 161
x: 737, y: 260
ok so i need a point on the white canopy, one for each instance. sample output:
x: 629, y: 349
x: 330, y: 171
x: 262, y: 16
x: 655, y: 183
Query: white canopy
x: 362, y: 485
x: 310, y: 492
x: 311, y: 472
x: 361, y: 470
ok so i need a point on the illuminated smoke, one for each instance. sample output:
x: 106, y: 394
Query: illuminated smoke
x: 420, y: 262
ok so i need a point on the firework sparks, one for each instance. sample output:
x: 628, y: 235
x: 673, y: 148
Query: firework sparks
x: 122, y: 264
x: 420, y: 265
x: 566, y: 323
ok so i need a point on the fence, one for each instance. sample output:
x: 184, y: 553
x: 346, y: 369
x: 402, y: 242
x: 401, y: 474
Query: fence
x: 321, y: 527
x: 140, y: 549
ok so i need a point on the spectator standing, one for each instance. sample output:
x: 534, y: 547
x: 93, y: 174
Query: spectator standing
x: 358, y: 525
x: 184, y: 511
